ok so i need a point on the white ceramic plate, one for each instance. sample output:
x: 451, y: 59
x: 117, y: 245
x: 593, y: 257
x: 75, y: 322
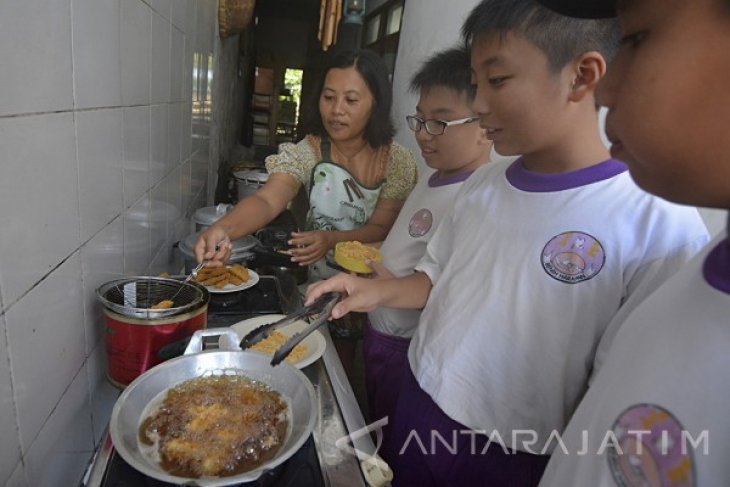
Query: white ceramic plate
x: 253, y: 279
x: 314, y: 343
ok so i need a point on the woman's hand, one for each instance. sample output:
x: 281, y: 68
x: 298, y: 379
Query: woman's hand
x: 214, y: 245
x: 308, y: 247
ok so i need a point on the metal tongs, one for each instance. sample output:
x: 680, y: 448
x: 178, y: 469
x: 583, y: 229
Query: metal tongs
x: 322, y: 307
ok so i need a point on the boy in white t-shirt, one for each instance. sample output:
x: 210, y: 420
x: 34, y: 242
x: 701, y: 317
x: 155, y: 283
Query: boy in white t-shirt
x: 539, y: 260
x: 453, y: 146
x: 656, y: 413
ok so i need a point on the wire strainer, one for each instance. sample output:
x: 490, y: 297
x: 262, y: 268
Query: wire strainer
x: 134, y: 296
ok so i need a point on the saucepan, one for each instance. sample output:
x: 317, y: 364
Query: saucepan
x: 294, y: 387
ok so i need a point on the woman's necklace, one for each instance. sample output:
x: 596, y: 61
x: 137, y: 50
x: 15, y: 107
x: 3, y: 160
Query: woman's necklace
x: 349, y: 159
x: 362, y: 164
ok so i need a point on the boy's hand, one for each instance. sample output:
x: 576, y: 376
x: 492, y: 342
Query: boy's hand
x: 360, y: 294
x: 380, y: 271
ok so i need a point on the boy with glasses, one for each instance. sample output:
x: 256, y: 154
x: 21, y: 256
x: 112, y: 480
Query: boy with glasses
x: 539, y: 261
x: 434, y: 126
x: 656, y: 413
x: 453, y: 146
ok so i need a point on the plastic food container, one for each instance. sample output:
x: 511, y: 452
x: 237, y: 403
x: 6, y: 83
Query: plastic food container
x: 355, y: 263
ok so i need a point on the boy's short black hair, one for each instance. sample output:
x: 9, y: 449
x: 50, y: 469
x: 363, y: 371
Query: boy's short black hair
x: 587, y: 9
x: 584, y: 9
x: 379, y: 130
x: 449, y: 68
x: 561, y: 38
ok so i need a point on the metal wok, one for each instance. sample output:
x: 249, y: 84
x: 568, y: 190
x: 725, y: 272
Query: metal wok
x: 288, y: 381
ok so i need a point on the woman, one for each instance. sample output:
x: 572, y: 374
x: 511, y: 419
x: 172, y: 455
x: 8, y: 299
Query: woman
x: 356, y: 176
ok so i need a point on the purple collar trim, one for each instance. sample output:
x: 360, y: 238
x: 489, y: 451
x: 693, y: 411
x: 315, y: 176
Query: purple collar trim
x: 716, y: 268
x: 535, y: 182
x: 434, y: 181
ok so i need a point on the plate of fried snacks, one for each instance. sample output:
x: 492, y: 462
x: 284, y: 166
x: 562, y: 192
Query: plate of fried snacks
x: 227, y: 279
x: 307, y: 352
x: 353, y: 255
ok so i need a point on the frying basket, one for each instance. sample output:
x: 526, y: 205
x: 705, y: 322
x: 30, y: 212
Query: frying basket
x: 134, y: 296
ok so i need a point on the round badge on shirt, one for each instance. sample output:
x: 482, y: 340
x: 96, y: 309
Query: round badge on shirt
x: 573, y: 257
x: 421, y: 222
x: 653, y: 450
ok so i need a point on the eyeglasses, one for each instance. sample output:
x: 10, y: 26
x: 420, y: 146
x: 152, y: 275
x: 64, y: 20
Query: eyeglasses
x: 435, y: 127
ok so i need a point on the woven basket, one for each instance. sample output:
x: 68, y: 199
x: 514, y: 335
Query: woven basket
x: 234, y: 16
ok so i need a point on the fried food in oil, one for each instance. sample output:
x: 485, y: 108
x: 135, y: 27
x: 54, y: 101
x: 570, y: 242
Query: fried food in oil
x: 216, y: 426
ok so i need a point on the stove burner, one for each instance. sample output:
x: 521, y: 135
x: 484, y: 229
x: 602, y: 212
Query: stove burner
x: 263, y: 298
x: 275, y: 237
x: 225, y: 300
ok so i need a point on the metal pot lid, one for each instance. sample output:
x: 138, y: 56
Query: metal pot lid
x: 211, y: 214
x: 240, y: 246
x: 251, y: 176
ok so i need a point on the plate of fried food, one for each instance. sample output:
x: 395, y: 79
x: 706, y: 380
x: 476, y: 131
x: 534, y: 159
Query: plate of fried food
x: 307, y: 352
x: 227, y: 279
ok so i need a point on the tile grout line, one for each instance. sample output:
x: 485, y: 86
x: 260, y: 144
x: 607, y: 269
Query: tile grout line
x: 78, y: 209
x: 6, y: 338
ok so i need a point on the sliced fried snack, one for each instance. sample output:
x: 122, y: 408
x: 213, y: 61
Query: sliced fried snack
x: 164, y: 304
x: 275, y: 340
x: 212, y: 281
x: 219, y: 277
x: 239, y: 271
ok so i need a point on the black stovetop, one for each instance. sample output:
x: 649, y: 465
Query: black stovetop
x: 266, y: 297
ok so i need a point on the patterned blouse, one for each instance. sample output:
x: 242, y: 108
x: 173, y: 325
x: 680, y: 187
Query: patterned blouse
x: 298, y: 160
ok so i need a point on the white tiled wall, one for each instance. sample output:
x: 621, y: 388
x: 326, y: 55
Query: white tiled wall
x: 102, y: 161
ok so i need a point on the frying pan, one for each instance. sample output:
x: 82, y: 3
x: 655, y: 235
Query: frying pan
x: 294, y: 387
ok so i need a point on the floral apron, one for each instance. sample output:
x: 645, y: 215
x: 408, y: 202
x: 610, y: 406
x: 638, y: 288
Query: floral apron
x: 337, y: 202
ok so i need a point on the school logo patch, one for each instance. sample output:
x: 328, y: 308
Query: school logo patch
x: 652, y: 449
x: 573, y: 257
x: 420, y: 224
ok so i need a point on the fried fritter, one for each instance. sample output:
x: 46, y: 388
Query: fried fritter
x: 216, y: 426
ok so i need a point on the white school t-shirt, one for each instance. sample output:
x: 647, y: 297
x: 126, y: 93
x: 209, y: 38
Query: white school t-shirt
x: 665, y: 383
x: 529, y: 270
x: 423, y: 210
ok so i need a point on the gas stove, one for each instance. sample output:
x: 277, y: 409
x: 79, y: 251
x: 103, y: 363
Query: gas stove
x: 307, y: 467
x: 272, y: 294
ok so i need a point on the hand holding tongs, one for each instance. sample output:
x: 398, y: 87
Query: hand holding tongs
x: 322, y: 307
